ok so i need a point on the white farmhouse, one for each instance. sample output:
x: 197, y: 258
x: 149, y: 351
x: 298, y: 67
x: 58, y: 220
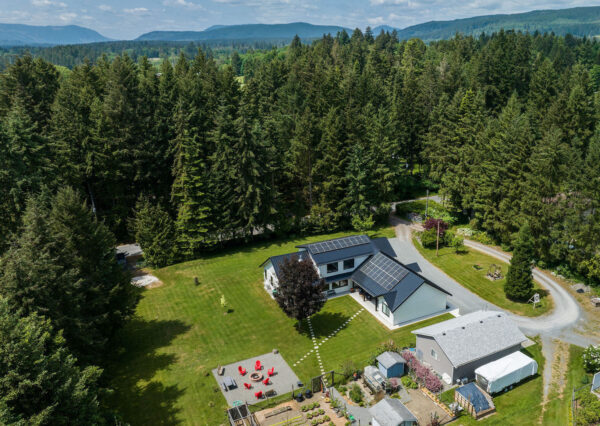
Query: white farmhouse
x: 398, y: 294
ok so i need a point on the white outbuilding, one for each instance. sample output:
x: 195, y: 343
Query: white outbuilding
x: 504, y: 372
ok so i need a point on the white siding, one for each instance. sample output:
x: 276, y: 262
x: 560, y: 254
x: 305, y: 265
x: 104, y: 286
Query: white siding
x: 427, y: 300
x: 269, y: 278
x: 387, y: 318
x: 375, y: 422
x: 357, y: 262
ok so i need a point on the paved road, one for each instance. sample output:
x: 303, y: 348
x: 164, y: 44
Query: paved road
x: 560, y: 323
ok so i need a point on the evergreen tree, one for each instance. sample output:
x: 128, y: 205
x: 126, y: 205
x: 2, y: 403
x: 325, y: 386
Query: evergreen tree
x: 519, y: 280
x: 40, y: 381
x: 154, y: 231
x: 63, y: 266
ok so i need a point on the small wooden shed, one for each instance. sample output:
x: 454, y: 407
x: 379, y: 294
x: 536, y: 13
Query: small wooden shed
x: 474, y: 400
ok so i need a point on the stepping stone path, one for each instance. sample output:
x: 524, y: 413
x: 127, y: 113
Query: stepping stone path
x: 317, y: 344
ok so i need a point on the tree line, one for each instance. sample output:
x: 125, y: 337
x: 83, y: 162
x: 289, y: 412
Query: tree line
x: 313, y: 138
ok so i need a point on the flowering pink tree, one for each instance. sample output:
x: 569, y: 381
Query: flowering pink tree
x: 423, y: 375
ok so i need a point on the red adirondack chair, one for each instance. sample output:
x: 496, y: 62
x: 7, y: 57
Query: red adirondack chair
x: 258, y: 394
x: 258, y: 365
x: 271, y: 371
x: 266, y: 381
x: 241, y: 370
x: 247, y: 385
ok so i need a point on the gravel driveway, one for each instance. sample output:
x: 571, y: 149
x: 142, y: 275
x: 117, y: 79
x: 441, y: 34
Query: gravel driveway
x: 561, y: 323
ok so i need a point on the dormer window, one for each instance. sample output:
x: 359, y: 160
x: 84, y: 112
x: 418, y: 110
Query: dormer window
x: 332, y: 267
x: 348, y: 263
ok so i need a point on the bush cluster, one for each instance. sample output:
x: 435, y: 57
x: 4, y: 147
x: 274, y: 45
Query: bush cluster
x: 422, y: 374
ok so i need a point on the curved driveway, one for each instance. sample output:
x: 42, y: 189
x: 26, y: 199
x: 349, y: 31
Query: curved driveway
x: 560, y: 323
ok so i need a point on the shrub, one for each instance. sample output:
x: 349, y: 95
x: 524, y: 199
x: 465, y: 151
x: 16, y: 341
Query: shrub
x: 327, y: 418
x: 591, y: 359
x: 321, y: 411
x: 429, y: 238
x: 390, y: 345
x: 423, y: 375
x: 315, y: 405
x: 409, y: 383
x: 356, y: 394
x: 458, y: 244
x: 348, y: 368
x: 304, y: 408
x: 432, y: 223
x: 309, y: 416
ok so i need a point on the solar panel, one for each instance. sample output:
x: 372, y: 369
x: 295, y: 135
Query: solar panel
x: 338, y: 244
x: 384, y: 271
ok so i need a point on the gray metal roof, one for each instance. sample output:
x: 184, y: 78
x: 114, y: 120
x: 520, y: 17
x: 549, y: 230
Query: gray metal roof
x: 474, y: 396
x: 389, y: 359
x: 596, y: 382
x: 391, y: 412
x: 474, y: 336
x: 384, y: 276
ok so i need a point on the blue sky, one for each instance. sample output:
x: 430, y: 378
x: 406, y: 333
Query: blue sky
x: 126, y: 19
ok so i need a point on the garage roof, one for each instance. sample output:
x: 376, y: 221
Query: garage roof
x: 474, y: 336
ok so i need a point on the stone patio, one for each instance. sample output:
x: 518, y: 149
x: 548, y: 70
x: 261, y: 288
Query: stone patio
x: 281, y: 382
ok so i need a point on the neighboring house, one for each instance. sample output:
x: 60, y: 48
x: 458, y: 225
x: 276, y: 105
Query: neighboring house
x: 391, y: 412
x: 398, y: 294
x: 455, y: 348
x: 596, y: 385
x: 391, y: 364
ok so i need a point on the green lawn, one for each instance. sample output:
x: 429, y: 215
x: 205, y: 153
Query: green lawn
x: 161, y: 369
x: 519, y: 406
x: 558, y: 410
x: 470, y: 268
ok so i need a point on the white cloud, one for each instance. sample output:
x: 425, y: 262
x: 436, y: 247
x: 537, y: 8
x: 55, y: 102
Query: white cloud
x: 137, y: 11
x: 105, y: 7
x: 45, y: 3
x: 387, y: 2
x: 67, y: 17
x: 376, y: 21
x: 183, y: 3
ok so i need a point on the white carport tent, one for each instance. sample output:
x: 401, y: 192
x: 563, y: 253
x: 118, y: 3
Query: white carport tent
x: 504, y: 372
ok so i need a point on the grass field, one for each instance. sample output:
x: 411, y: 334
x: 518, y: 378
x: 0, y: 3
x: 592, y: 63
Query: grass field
x: 519, y: 406
x: 558, y: 408
x: 161, y: 371
x: 463, y: 268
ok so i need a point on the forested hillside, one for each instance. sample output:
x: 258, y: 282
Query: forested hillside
x: 319, y: 136
x: 577, y: 21
x: 31, y: 35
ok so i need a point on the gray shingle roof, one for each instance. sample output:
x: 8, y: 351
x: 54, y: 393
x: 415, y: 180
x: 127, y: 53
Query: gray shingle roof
x: 474, y: 336
x: 596, y: 383
x: 391, y: 412
x: 388, y: 359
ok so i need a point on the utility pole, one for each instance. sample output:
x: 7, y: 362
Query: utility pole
x: 437, y: 240
x: 427, y: 205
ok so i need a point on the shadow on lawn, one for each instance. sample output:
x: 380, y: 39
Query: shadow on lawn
x: 324, y: 323
x: 137, y: 397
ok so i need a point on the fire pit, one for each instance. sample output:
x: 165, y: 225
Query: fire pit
x: 256, y: 376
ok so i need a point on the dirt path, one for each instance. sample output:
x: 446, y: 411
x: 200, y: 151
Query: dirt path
x: 557, y: 357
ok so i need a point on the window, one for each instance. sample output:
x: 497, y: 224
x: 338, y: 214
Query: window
x: 332, y: 267
x: 265, y: 274
x: 271, y: 279
x: 385, y: 309
x: 434, y: 354
x: 339, y: 284
x: 348, y: 263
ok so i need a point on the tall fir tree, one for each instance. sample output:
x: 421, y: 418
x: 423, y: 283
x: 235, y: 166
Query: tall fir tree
x: 519, y: 280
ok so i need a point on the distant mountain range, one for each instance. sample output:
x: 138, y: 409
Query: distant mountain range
x: 246, y: 32
x: 579, y: 21
x: 29, y: 35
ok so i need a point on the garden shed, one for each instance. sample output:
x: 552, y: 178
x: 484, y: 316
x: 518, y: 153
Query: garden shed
x: 474, y: 400
x: 391, y: 364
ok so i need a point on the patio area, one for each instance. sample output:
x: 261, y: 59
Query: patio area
x: 281, y: 382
